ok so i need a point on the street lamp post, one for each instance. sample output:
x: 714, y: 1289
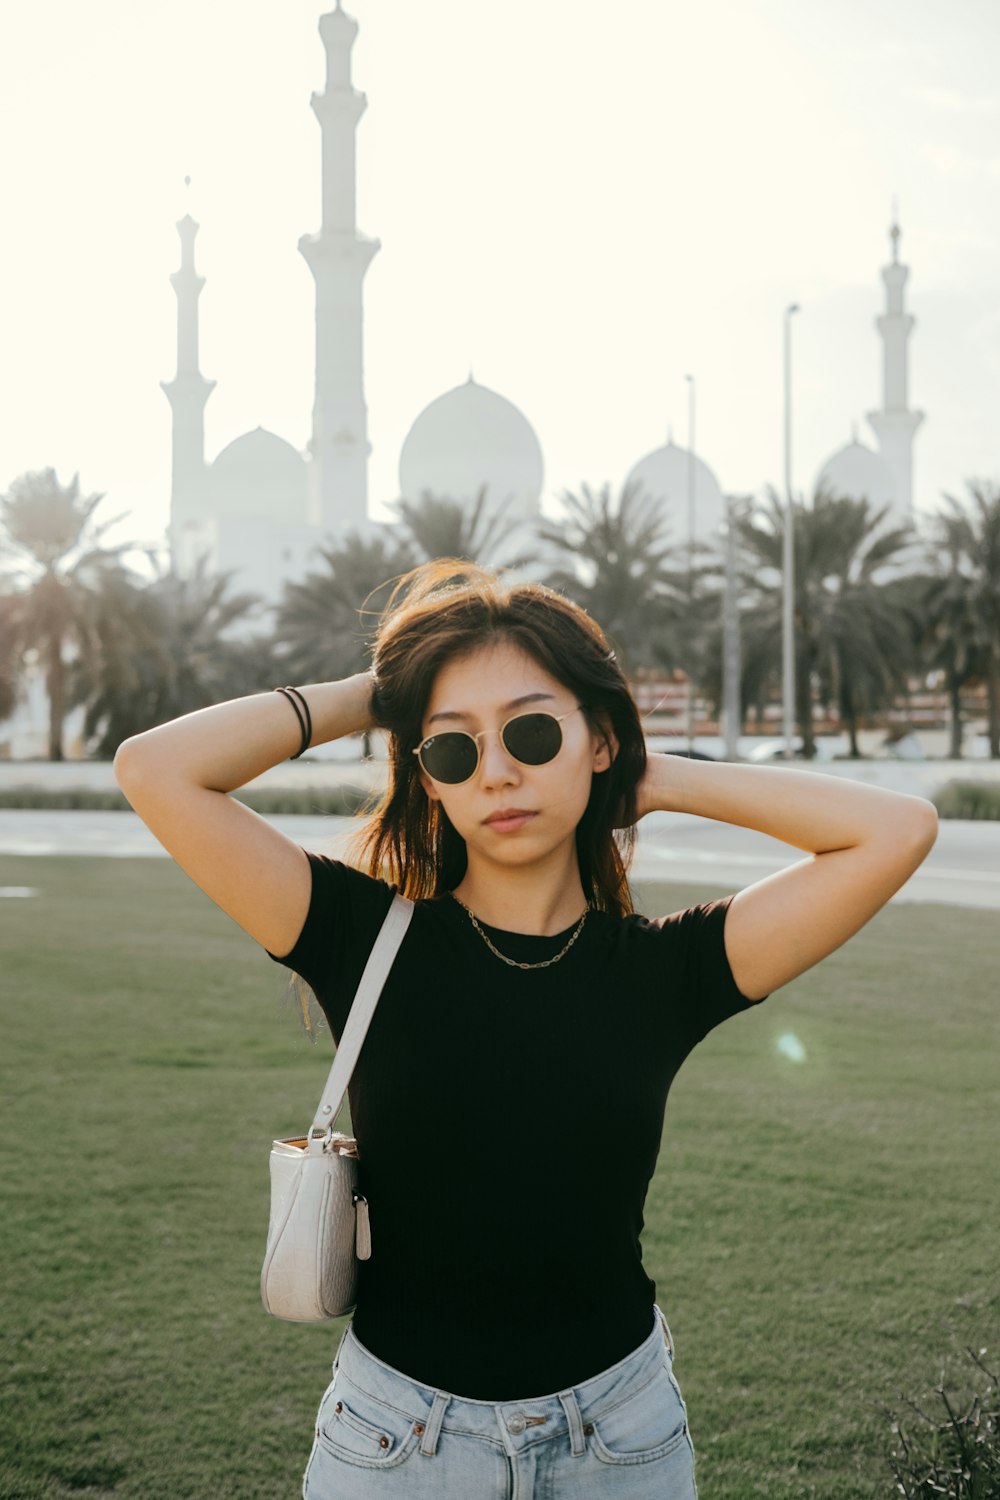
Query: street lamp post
x: 691, y: 521
x: 737, y: 507
x: 788, y: 556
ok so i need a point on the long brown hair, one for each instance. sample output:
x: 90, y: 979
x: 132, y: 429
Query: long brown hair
x: 449, y: 608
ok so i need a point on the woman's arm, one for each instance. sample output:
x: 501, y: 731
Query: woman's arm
x: 177, y: 775
x: 864, y: 844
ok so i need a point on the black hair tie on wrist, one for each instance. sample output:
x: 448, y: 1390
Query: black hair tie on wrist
x: 303, y: 715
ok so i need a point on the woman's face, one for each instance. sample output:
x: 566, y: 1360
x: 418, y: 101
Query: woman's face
x: 481, y: 691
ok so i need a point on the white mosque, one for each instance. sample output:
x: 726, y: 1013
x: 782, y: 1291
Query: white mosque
x: 262, y: 508
x: 884, y: 476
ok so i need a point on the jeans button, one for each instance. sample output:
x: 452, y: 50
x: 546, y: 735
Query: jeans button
x: 516, y: 1424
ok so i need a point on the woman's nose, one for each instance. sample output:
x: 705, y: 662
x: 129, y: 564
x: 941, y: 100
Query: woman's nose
x: 495, y: 761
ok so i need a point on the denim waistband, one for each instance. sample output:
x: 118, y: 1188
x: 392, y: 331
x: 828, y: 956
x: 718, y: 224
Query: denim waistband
x: 520, y: 1423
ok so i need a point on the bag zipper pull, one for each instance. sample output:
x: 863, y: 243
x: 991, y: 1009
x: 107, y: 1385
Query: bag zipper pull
x: 362, y: 1230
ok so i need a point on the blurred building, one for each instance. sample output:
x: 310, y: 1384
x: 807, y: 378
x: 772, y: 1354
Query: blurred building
x: 261, y: 507
x: 686, y: 490
x: 884, y: 475
x: 469, y: 437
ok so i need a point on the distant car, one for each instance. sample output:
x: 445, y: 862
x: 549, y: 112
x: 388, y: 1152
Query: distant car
x: 907, y: 747
x: 775, y: 750
x: 828, y: 747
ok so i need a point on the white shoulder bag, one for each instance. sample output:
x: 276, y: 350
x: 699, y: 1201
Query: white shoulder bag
x: 319, y: 1221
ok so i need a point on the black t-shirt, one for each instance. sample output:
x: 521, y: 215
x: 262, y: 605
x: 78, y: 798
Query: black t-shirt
x: 508, y: 1123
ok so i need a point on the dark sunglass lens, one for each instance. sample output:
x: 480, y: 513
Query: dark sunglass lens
x: 450, y: 757
x: 533, y: 739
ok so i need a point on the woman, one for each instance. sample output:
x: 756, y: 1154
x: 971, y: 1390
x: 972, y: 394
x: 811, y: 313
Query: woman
x: 509, y: 1097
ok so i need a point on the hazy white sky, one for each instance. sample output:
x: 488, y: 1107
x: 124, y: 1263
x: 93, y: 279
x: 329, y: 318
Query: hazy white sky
x: 580, y: 201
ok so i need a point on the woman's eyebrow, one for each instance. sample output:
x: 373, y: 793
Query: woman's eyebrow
x: 514, y: 703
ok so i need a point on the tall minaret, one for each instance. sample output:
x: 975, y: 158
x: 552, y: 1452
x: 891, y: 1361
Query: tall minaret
x: 187, y: 394
x: 338, y: 258
x: 895, y: 424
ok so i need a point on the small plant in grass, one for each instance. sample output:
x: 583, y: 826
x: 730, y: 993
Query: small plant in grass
x: 953, y: 1451
x: 969, y: 799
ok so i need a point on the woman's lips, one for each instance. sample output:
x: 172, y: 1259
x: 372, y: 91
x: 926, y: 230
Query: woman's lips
x: 509, y: 821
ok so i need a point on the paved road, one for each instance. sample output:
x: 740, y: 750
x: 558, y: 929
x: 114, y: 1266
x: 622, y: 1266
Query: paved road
x: 963, y: 868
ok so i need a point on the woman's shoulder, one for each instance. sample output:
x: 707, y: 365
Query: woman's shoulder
x: 355, y: 900
x: 346, y: 908
x: 687, y: 949
x: 689, y: 941
x: 331, y: 874
x: 697, y: 919
x: 686, y: 922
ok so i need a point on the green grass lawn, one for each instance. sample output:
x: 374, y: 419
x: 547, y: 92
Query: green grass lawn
x: 823, y: 1233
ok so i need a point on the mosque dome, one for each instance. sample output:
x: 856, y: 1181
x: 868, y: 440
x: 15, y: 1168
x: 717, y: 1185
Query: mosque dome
x: 858, y: 473
x: 663, y: 474
x: 470, y: 437
x: 259, y: 474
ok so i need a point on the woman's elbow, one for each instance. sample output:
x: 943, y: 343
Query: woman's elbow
x: 922, y: 822
x: 128, y: 758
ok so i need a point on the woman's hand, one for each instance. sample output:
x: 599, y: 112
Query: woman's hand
x: 653, y: 793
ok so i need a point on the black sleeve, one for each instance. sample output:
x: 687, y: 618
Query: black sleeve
x: 705, y: 992
x: 346, y: 911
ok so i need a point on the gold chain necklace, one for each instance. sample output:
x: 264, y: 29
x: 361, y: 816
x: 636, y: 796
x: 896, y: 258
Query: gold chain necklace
x: 545, y: 963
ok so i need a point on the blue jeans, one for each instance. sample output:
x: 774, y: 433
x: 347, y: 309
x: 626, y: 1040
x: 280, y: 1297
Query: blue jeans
x: 622, y: 1435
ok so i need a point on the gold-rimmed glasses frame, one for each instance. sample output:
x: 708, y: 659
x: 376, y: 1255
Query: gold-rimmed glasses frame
x: 475, y: 738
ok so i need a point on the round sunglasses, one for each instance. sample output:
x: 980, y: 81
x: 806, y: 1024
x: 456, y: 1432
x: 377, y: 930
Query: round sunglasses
x: 531, y: 739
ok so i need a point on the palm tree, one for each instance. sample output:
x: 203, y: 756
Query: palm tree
x: 950, y: 634
x: 864, y: 628
x: 8, y: 654
x: 965, y: 605
x: 320, y: 625
x: 55, y: 563
x: 324, y: 621
x: 852, y: 641
x: 621, y: 572
x: 159, y: 649
x: 436, y: 526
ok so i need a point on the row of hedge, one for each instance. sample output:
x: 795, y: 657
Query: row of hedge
x: 336, y: 801
x: 969, y: 799
x: 957, y: 799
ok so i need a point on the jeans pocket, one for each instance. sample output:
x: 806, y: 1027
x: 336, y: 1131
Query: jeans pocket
x: 648, y: 1426
x: 361, y: 1430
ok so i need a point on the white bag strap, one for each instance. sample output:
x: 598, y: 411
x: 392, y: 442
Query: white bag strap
x: 376, y: 972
